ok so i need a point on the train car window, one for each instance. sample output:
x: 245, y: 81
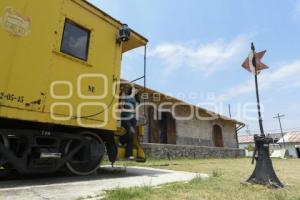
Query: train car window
x: 75, y: 41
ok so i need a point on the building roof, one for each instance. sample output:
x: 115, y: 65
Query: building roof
x: 246, y: 139
x: 275, y: 135
x: 250, y: 138
x: 165, y: 97
x: 136, y: 40
x: 291, y: 137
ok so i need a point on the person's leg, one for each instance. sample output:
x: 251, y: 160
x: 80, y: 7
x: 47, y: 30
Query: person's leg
x: 129, y: 148
x: 130, y: 135
x: 124, y: 139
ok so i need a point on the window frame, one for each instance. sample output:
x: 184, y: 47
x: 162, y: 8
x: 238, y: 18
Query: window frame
x: 72, y: 22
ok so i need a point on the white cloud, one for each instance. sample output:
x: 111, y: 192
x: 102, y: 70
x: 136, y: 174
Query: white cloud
x: 206, y: 58
x: 285, y: 76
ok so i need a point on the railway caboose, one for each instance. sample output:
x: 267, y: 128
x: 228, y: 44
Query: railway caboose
x: 59, y: 85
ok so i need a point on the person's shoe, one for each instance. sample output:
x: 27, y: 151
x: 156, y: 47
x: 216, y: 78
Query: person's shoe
x: 130, y: 158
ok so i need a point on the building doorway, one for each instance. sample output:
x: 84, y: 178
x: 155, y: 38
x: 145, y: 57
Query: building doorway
x: 167, y: 128
x: 161, y: 130
x: 153, y: 126
x: 298, y: 152
x: 218, y: 136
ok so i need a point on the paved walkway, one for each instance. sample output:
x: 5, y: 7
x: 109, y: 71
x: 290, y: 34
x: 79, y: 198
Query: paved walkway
x: 64, y: 188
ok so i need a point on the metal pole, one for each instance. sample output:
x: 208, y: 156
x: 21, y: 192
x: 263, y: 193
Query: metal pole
x: 229, y: 110
x: 279, y: 120
x: 264, y: 172
x: 247, y: 129
x: 145, y: 81
x: 257, y: 93
x: 145, y: 66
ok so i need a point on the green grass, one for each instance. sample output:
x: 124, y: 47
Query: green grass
x: 131, y: 193
x: 225, y: 180
x: 216, y: 173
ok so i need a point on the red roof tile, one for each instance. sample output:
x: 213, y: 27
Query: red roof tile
x: 246, y: 138
x: 291, y: 137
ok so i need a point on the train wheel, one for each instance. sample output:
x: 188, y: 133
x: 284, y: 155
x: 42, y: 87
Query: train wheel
x: 87, y: 160
x: 4, y: 168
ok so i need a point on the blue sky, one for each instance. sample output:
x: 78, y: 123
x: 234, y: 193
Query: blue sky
x: 196, y: 49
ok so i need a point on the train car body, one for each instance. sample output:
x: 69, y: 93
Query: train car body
x: 59, y: 82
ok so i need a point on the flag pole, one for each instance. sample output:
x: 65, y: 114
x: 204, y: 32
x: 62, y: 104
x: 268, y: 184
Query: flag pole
x: 257, y: 92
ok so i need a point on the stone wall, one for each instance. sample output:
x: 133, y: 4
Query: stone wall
x: 229, y: 135
x: 194, y: 132
x: 168, y: 151
x: 194, y: 141
x: 199, y: 133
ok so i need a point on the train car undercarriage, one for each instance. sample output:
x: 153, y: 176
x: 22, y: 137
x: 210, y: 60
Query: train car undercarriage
x: 45, y: 151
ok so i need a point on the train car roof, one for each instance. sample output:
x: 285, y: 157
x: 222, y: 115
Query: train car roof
x: 136, y: 39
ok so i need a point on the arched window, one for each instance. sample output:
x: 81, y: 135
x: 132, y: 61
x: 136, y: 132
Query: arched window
x: 218, y: 136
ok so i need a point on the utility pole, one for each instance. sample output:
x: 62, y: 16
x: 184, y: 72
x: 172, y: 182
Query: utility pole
x: 247, y: 129
x: 279, y: 120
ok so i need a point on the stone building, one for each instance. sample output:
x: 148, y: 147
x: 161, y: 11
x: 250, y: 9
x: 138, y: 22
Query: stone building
x: 172, y: 121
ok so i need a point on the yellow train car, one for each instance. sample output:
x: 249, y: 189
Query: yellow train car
x: 59, y: 85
